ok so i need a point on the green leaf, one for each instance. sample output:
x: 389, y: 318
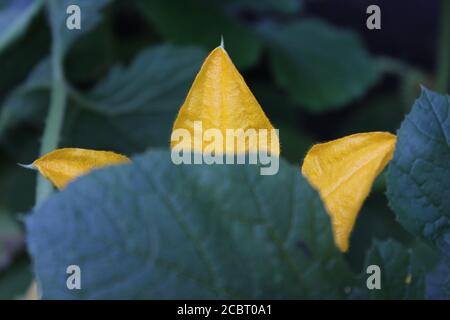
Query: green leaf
x: 199, y: 22
x: 438, y: 282
x: 90, y: 17
x: 321, y: 67
x: 19, y: 58
x: 402, y: 276
x: 15, y: 16
x: 152, y: 229
x: 418, y: 179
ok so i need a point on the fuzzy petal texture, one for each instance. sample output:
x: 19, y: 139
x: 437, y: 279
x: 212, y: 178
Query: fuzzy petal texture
x: 343, y: 171
x: 61, y: 166
x: 220, y: 99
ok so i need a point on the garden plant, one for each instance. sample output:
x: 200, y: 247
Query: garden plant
x: 116, y: 163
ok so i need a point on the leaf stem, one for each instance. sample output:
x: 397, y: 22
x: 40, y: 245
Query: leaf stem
x: 443, y: 71
x: 55, y: 115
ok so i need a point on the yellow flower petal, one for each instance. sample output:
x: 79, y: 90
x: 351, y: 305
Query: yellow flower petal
x: 343, y: 172
x: 61, y: 166
x: 220, y: 99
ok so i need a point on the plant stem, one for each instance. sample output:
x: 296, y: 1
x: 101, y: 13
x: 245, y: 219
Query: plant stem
x: 55, y: 115
x: 443, y: 71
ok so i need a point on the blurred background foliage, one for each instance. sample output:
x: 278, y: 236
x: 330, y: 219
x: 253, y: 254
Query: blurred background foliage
x: 315, y: 68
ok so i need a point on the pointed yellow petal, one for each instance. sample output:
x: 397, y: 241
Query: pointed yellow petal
x: 343, y: 172
x: 63, y: 165
x: 220, y: 99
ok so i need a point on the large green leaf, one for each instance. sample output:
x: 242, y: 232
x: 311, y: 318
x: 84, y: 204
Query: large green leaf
x: 320, y: 66
x: 438, y: 282
x: 200, y: 22
x: 401, y: 274
x: 152, y: 229
x: 418, y: 179
x: 15, y: 16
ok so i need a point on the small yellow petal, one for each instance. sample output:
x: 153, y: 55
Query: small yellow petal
x: 220, y: 99
x: 343, y: 172
x: 61, y: 166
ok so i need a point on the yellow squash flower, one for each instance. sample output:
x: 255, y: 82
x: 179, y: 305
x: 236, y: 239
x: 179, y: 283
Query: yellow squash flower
x: 342, y: 170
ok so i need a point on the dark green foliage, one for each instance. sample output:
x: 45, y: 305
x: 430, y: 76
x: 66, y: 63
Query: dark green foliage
x: 418, y: 179
x: 165, y: 231
x: 155, y: 230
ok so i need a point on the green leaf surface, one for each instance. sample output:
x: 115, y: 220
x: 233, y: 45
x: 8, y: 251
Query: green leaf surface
x: 155, y: 230
x: 418, y: 179
x: 19, y: 58
x: 199, y: 22
x: 438, y: 282
x: 402, y: 276
x: 15, y: 16
x: 321, y: 67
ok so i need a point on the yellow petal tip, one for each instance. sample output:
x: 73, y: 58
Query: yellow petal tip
x: 219, y: 99
x: 343, y: 172
x: 61, y: 166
